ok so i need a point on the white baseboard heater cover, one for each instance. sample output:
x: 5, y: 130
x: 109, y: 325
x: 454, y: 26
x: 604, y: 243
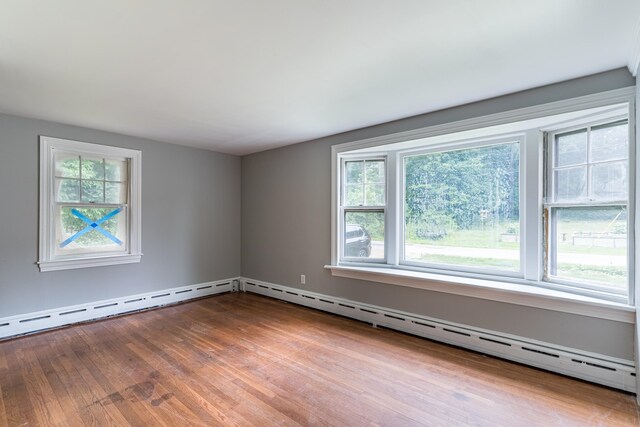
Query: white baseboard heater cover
x: 48, y: 319
x: 601, y: 369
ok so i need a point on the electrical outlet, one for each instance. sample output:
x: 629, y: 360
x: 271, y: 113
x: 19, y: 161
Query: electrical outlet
x: 303, y: 279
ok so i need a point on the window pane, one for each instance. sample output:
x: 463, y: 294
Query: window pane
x: 92, y: 191
x: 364, y: 234
x: 374, y: 183
x: 364, y: 183
x: 590, y: 245
x: 571, y: 184
x: 115, y: 170
x: 609, y: 181
x: 375, y: 194
x: 90, y: 230
x: 571, y: 148
x: 354, y: 195
x: 609, y: 142
x: 374, y: 171
x: 67, y: 166
x: 67, y: 190
x: 353, y: 173
x: 92, y: 168
x: 462, y: 208
x: 115, y: 193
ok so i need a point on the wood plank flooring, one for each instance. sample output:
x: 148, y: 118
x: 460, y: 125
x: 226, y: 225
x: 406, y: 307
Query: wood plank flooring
x: 243, y: 359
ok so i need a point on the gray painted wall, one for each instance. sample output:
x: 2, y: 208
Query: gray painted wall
x: 190, y: 221
x: 286, y: 221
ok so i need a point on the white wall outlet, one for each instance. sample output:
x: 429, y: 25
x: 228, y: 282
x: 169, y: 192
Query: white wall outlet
x: 303, y: 279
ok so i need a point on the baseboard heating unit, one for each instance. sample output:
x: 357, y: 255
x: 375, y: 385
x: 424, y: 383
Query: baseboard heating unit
x: 48, y: 319
x: 597, y: 368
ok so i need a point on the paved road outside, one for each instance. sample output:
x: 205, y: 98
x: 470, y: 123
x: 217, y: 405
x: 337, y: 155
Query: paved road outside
x: 415, y: 251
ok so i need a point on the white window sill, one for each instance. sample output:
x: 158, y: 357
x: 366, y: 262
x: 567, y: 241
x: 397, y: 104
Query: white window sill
x: 68, y: 264
x: 492, y: 290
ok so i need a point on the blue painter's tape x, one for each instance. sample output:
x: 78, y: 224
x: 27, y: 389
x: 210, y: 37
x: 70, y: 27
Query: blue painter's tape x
x: 93, y: 225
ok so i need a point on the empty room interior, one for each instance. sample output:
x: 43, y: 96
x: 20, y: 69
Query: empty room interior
x: 341, y: 213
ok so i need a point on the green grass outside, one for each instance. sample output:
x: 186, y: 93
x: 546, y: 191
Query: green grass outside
x: 467, y: 239
x: 610, y: 275
x: 489, y: 238
x: 501, y: 264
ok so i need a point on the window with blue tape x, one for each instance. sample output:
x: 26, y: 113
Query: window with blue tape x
x: 91, y: 204
x: 104, y: 227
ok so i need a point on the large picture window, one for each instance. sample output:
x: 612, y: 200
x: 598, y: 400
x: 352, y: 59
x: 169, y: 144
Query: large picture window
x: 542, y: 205
x: 90, y: 209
x: 461, y: 207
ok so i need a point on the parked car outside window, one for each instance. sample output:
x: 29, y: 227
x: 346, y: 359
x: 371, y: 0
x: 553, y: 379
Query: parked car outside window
x: 357, y: 241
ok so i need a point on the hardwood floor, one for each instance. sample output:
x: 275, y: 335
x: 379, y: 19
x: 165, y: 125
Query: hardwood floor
x: 242, y: 359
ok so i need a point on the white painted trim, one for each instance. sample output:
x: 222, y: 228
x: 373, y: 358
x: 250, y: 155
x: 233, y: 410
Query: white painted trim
x: 37, y: 321
x: 135, y: 208
x: 598, y: 368
x: 636, y: 237
x: 511, y: 293
x: 634, y: 56
x: 46, y: 259
x: 531, y: 185
x: 335, y: 194
x: 632, y: 220
x: 527, y: 113
x: 88, y: 262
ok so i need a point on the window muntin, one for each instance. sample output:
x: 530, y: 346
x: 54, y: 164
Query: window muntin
x: 90, y: 180
x: 590, y: 164
x: 462, y: 208
x: 90, y: 190
x: 89, y: 205
x: 364, y: 182
x: 586, y: 213
x: 363, y: 209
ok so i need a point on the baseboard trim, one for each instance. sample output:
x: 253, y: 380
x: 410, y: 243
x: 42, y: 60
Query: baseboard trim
x: 597, y: 368
x: 48, y: 319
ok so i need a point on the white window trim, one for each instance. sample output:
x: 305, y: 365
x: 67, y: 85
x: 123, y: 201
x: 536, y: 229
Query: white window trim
x: 516, y: 290
x: 46, y: 262
x: 507, y: 292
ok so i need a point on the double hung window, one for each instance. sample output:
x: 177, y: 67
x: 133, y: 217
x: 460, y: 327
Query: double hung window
x: 586, y: 210
x: 363, y: 209
x: 90, y: 210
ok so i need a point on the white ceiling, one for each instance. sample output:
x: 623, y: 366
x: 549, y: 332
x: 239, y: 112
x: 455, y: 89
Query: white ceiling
x: 241, y: 76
